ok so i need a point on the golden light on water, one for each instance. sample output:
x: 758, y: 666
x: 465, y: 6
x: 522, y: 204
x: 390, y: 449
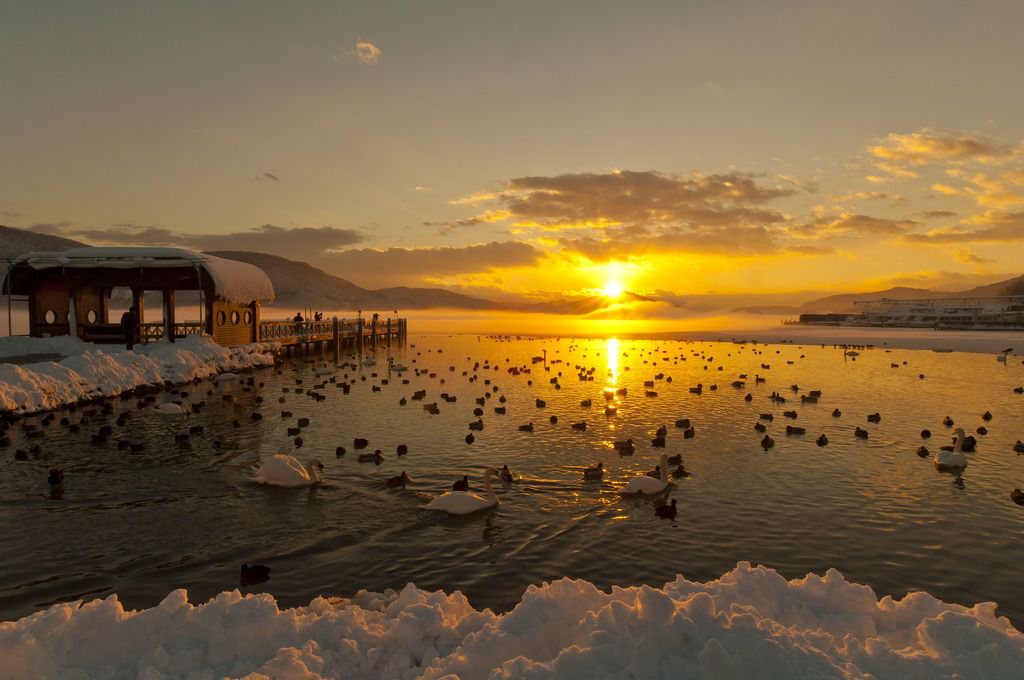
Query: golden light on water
x: 612, y: 355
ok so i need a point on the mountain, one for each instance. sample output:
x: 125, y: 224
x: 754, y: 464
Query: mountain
x: 300, y: 285
x: 1013, y: 286
x: 844, y: 303
x: 15, y: 242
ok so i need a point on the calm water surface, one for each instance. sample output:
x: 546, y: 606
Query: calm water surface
x: 141, y: 524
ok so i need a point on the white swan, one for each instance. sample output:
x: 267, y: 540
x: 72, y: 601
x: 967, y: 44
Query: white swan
x: 284, y: 470
x: 952, y: 460
x: 397, y: 368
x: 170, y: 409
x: 369, y: 361
x: 648, y: 485
x: 466, y: 502
x: 225, y: 377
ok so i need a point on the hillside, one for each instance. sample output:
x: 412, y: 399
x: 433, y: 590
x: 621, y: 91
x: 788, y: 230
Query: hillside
x: 15, y: 242
x: 300, y: 285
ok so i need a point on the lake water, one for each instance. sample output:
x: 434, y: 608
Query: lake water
x: 140, y: 524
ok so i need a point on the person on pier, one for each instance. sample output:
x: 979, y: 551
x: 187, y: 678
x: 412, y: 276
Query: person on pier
x: 130, y: 327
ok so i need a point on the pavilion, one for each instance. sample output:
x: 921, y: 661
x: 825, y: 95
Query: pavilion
x: 69, y: 293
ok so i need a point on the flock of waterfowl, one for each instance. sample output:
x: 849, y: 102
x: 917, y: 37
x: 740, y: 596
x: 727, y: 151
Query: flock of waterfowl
x: 285, y: 469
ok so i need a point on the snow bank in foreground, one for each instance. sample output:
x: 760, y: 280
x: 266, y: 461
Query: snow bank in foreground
x: 95, y: 371
x: 751, y: 623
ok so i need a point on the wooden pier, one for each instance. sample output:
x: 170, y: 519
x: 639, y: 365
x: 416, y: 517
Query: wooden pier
x: 358, y: 334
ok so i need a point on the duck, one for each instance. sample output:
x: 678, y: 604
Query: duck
x: 655, y: 473
x: 461, y: 484
x: 253, y: 574
x: 947, y: 421
x: 680, y: 472
x: 923, y: 452
x: 860, y: 433
x: 55, y: 477
x: 1017, y: 496
x: 954, y: 460
x: 643, y: 484
x: 398, y: 480
x: 506, y: 474
x: 675, y: 460
x: 284, y: 470
x: 767, y: 442
x: 595, y: 472
x: 822, y: 440
x: 375, y: 457
x: 464, y: 502
x: 875, y: 418
x: 1019, y: 446
x: 625, y: 447
x: 667, y: 511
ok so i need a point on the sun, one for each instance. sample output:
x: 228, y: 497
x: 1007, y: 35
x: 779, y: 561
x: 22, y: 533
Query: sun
x: 612, y: 289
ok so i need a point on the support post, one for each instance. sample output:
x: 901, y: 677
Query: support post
x: 389, y: 330
x: 337, y: 341
x: 168, y: 296
x: 138, y: 301
x: 359, y: 335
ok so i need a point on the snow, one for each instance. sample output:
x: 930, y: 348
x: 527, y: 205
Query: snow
x: 19, y: 346
x: 750, y: 623
x: 233, y: 281
x: 105, y: 371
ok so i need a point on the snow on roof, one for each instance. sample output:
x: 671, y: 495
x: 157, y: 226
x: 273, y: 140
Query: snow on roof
x: 233, y: 281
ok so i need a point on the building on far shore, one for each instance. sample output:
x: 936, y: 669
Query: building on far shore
x: 69, y: 293
x: 981, y: 313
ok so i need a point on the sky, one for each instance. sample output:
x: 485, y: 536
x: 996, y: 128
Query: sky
x: 530, y: 150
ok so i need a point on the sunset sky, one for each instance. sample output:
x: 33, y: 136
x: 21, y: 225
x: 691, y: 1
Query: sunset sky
x: 533, y: 149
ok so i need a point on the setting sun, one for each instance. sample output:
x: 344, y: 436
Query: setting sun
x: 612, y: 289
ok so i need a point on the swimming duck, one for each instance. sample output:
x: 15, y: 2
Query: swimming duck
x: 399, y: 480
x: 667, y: 511
x: 594, y: 473
x: 253, y: 574
x: 461, y: 484
x: 506, y: 474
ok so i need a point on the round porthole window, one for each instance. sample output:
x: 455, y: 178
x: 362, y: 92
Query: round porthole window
x: 222, y: 318
x: 234, y: 318
x: 91, y: 316
x: 248, y: 318
x: 50, y: 316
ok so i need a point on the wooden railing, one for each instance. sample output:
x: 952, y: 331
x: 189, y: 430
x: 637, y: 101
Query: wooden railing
x: 152, y: 332
x: 310, y: 331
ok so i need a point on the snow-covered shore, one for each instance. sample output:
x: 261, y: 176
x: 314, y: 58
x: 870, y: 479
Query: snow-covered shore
x: 750, y: 623
x: 93, y: 371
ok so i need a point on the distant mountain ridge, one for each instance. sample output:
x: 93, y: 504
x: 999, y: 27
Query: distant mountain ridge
x: 15, y: 242
x: 300, y: 285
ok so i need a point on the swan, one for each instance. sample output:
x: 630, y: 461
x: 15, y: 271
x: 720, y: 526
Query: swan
x: 648, y: 485
x: 170, y: 409
x: 397, y: 368
x: 284, y: 470
x: 369, y: 361
x: 465, y: 502
x: 952, y: 460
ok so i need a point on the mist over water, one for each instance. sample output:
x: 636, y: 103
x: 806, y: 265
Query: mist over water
x: 141, y: 524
